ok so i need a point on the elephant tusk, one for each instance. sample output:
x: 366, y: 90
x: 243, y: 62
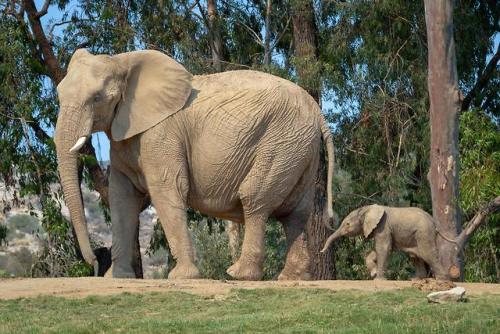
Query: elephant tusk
x: 79, y: 144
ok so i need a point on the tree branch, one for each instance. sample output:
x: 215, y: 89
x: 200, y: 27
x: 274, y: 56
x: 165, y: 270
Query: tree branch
x: 39, y: 132
x: 482, y: 81
x: 44, y: 9
x: 55, y: 71
x: 469, y: 228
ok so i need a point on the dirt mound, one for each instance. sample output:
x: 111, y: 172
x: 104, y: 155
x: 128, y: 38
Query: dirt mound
x: 430, y: 284
x: 86, y: 286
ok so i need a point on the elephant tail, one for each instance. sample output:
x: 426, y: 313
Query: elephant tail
x: 327, y: 138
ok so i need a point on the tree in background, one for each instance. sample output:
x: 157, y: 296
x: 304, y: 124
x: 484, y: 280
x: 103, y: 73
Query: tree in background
x: 305, y: 60
x: 445, y: 104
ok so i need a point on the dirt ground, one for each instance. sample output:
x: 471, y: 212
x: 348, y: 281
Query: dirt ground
x: 81, y: 287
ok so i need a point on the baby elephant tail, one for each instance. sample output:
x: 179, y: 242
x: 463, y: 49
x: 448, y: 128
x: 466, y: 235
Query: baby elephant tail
x: 327, y: 138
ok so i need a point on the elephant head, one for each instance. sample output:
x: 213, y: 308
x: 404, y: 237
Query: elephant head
x: 363, y: 220
x: 123, y: 96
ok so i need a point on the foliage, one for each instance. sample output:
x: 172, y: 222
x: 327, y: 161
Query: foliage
x: 480, y: 182
x: 79, y: 269
x: 252, y: 310
x: 212, y: 250
x: 275, y: 244
x: 59, y: 256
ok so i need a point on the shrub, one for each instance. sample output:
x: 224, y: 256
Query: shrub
x: 212, y: 249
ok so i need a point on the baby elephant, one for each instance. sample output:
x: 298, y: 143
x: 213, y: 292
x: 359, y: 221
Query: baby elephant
x: 411, y: 230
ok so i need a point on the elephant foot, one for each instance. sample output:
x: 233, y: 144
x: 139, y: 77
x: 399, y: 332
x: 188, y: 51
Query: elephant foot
x: 109, y: 272
x: 290, y: 275
x: 380, y: 278
x: 245, y: 272
x: 184, y: 272
x: 123, y: 274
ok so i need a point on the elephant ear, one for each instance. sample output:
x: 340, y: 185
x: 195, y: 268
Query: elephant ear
x: 156, y: 88
x: 373, y: 216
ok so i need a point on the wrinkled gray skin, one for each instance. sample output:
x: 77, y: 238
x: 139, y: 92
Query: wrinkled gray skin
x: 242, y: 146
x: 410, y: 230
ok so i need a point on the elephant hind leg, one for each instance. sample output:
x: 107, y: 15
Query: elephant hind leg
x: 264, y: 189
x: 371, y: 263
x: 298, y: 259
x: 249, y: 265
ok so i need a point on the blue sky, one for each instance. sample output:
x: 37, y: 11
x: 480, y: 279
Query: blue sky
x: 100, y: 140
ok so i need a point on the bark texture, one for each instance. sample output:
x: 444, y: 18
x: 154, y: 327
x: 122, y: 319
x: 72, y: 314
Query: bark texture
x: 306, y: 64
x: 215, y: 35
x: 267, y: 38
x: 306, y: 50
x: 445, y: 106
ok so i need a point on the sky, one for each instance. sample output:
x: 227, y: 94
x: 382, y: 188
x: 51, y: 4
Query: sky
x: 99, y: 140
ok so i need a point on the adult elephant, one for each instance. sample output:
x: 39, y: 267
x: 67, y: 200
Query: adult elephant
x: 242, y: 146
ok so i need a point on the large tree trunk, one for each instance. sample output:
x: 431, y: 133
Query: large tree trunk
x: 267, y: 38
x: 444, y: 111
x: 306, y: 58
x: 214, y: 35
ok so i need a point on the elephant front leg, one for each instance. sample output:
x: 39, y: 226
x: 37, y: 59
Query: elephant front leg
x: 125, y: 205
x: 383, y: 246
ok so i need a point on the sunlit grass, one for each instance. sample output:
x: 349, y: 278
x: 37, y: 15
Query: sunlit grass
x: 252, y: 311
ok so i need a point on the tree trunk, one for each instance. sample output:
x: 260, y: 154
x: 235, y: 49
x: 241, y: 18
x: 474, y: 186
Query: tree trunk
x: 306, y: 50
x: 267, y: 38
x: 306, y: 58
x: 444, y: 111
x: 214, y: 35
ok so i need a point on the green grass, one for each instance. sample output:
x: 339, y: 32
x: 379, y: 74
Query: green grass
x: 252, y: 311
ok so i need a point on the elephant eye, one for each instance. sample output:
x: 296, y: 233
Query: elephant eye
x: 97, y: 97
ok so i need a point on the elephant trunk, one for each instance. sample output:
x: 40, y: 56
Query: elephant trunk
x: 72, y: 126
x: 331, y: 239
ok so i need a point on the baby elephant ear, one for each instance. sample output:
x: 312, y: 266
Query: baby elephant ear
x: 156, y: 87
x: 373, y: 216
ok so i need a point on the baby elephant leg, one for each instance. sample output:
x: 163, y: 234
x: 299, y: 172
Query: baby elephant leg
x: 371, y: 263
x: 420, y: 268
x: 383, y: 246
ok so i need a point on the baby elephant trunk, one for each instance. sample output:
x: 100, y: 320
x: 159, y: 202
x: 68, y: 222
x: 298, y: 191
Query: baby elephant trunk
x: 331, y: 239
